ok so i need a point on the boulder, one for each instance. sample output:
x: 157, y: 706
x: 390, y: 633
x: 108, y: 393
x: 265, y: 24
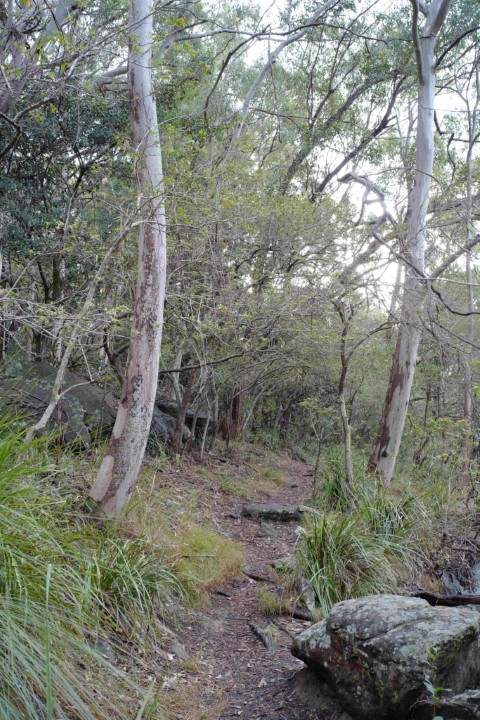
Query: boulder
x: 375, y: 653
x: 86, y: 411
x: 465, y: 706
x: 171, y: 408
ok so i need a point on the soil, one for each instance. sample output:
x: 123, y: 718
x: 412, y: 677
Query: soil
x: 233, y: 674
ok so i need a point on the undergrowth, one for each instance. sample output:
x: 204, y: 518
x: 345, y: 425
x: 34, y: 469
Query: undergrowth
x: 174, y: 521
x: 365, y: 539
x: 68, y: 582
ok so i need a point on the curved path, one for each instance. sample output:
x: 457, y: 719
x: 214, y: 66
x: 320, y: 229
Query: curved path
x: 235, y: 675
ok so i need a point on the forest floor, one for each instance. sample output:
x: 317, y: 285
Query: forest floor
x: 221, y: 669
x: 214, y: 665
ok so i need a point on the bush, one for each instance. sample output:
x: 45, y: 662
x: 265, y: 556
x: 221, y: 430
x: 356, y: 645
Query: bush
x: 341, y: 559
x: 64, y: 583
x: 388, y: 517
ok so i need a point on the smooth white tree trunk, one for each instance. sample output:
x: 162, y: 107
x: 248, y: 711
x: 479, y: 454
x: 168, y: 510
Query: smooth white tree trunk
x: 469, y: 234
x: 387, y: 444
x: 120, y: 467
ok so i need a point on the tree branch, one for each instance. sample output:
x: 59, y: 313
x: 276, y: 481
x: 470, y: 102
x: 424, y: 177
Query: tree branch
x: 416, y: 42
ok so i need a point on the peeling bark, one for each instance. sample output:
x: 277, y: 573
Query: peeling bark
x: 387, y: 444
x: 120, y: 467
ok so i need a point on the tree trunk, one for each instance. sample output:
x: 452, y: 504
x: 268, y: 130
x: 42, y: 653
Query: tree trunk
x: 387, y: 444
x: 120, y: 467
x: 347, y: 432
x: 468, y: 377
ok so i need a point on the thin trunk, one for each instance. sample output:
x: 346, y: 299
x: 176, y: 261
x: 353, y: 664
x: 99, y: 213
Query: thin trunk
x: 177, y: 437
x: 236, y: 414
x: 57, y: 294
x: 215, y: 427
x: 40, y: 426
x: 204, y: 436
x: 120, y: 467
x: 387, y: 444
x: 347, y: 432
x: 468, y: 377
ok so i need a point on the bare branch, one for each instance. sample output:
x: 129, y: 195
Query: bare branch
x: 416, y: 42
x: 273, y: 57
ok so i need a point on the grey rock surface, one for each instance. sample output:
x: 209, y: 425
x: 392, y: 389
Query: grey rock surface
x: 464, y: 706
x: 375, y: 653
x: 272, y: 511
x: 86, y: 411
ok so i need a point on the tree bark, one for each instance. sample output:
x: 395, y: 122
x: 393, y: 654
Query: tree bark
x: 120, y: 467
x: 347, y: 431
x: 469, y: 233
x: 387, y: 444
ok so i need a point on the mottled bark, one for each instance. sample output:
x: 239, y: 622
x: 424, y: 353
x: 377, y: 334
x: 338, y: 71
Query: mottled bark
x: 120, y: 467
x: 469, y: 233
x: 387, y: 444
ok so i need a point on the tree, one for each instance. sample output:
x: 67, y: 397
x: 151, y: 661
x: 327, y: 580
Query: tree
x: 387, y: 444
x: 119, y: 469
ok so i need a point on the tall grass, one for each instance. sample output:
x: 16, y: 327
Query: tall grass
x: 341, y: 559
x: 365, y: 539
x: 65, y: 582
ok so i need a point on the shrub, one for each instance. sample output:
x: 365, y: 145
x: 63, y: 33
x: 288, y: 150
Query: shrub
x: 64, y: 582
x: 341, y: 559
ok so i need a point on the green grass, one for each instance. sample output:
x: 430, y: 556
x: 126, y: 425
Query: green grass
x: 367, y: 538
x: 342, y: 559
x: 176, y: 521
x: 272, y: 604
x: 273, y: 475
x: 67, y: 581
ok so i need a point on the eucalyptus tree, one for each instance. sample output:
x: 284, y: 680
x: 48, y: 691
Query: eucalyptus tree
x: 425, y: 40
x: 120, y: 466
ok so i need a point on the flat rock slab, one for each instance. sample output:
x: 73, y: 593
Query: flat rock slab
x: 272, y: 511
x: 465, y: 706
x: 376, y: 652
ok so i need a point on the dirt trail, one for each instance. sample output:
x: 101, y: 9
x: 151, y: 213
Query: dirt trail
x: 235, y: 675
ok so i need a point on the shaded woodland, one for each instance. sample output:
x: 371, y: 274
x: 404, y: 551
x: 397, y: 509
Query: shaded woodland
x: 232, y: 225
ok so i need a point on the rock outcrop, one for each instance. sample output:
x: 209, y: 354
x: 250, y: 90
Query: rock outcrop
x: 465, y: 706
x: 86, y: 412
x: 272, y: 511
x: 376, y: 653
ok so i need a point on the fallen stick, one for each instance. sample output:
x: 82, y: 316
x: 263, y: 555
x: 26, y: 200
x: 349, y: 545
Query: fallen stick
x: 300, y: 614
x: 280, y: 627
x: 261, y: 636
x: 447, y: 600
x: 258, y: 578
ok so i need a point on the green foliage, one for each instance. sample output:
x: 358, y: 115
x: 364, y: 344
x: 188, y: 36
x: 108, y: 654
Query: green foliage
x: 336, y: 492
x: 132, y: 582
x: 199, y: 556
x: 364, y: 540
x: 391, y: 517
x: 341, y: 559
x: 272, y: 604
x: 64, y: 582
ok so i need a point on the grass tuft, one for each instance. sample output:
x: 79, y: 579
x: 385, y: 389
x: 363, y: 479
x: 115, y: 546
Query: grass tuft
x: 171, y: 518
x: 67, y: 584
x: 341, y: 559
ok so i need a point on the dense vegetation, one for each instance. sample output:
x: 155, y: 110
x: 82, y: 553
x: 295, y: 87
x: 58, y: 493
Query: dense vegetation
x: 292, y: 144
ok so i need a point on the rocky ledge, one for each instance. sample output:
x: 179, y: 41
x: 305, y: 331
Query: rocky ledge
x: 376, y: 656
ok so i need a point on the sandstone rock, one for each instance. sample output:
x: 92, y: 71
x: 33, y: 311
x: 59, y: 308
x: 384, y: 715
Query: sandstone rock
x: 375, y: 653
x: 317, y: 695
x: 86, y: 411
x: 272, y: 511
x: 465, y: 706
